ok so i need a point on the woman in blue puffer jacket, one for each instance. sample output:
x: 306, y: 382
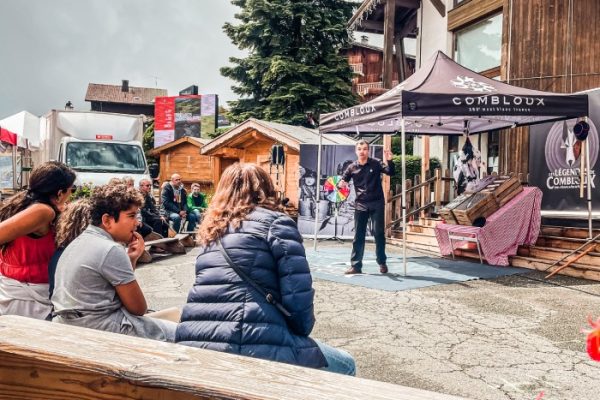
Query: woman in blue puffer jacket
x: 226, y: 313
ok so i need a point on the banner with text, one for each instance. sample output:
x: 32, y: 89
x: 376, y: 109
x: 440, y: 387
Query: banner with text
x: 555, y: 157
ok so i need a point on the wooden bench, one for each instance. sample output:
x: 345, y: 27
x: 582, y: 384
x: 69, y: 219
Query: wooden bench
x: 41, y: 360
x: 173, y: 245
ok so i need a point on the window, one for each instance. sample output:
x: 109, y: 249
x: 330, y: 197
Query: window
x: 479, y: 46
x: 105, y: 157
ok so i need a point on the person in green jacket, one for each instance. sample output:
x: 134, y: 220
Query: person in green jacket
x: 196, y: 202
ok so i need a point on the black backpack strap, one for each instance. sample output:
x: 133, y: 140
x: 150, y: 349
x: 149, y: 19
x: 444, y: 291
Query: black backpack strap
x: 270, y: 298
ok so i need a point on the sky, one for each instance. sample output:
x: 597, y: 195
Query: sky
x: 51, y: 49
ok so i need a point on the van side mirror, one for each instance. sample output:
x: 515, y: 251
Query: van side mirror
x: 154, y: 170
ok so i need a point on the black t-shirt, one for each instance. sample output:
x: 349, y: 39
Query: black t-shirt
x: 367, y: 180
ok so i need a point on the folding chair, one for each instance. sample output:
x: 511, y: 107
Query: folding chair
x: 464, y: 238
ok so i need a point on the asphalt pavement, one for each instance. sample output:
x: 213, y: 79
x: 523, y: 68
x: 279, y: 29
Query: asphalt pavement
x: 512, y: 337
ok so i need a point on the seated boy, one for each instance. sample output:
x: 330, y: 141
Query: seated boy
x: 95, y: 285
x: 196, y: 202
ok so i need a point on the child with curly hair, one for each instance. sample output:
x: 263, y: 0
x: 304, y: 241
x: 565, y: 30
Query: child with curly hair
x: 95, y: 284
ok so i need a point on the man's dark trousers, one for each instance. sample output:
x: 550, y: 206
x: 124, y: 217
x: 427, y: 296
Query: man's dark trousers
x: 361, y: 218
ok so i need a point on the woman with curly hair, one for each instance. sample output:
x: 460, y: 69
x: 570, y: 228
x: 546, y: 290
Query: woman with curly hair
x: 244, y: 229
x: 95, y: 284
x: 27, y: 240
x: 71, y: 223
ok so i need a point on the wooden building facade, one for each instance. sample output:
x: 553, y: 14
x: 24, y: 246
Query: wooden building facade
x: 252, y: 141
x: 546, y: 45
x: 183, y: 157
x: 366, y: 62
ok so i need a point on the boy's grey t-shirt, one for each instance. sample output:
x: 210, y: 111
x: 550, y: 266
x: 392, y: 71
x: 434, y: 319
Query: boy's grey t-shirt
x: 87, y: 272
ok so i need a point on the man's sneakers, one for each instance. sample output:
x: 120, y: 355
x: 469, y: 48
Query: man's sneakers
x: 352, y: 271
x: 383, y: 269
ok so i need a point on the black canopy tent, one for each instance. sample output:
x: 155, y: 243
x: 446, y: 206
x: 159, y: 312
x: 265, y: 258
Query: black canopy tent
x: 445, y: 98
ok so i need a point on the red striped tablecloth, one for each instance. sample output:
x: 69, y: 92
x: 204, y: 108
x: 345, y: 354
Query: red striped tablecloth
x: 515, y: 224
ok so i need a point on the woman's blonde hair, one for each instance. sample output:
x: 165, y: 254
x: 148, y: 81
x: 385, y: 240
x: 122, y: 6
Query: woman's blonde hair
x: 242, y: 188
x: 72, y: 222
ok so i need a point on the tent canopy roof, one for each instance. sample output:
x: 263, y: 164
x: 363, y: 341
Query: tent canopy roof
x: 445, y: 98
x: 24, y: 125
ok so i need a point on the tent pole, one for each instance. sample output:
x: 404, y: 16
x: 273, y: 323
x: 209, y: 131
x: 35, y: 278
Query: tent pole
x: 14, y: 165
x: 318, y: 192
x: 403, y: 140
x: 589, y: 187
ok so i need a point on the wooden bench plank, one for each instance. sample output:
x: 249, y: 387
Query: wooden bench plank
x: 41, y: 360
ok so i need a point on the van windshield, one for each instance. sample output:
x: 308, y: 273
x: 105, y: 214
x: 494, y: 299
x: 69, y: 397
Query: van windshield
x: 105, y: 157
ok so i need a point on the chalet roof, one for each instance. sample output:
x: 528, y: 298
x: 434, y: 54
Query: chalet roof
x: 293, y: 136
x: 369, y: 16
x: 198, y: 142
x: 114, y: 94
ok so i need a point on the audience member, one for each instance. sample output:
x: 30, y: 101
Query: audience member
x: 71, y: 223
x: 150, y: 213
x: 225, y: 311
x: 196, y: 202
x: 27, y: 240
x: 174, y: 204
x: 95, y: 284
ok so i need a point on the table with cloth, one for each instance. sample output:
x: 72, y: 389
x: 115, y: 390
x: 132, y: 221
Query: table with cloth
x: 516, y: 223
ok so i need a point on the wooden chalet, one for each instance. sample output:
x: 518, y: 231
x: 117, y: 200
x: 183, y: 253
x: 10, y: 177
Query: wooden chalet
x: 366, y: 61
x: 123, y: 99
x: 251, y: 142
x: 183, y: 157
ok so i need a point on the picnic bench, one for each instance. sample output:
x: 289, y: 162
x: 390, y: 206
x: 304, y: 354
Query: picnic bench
x: 41, y: 360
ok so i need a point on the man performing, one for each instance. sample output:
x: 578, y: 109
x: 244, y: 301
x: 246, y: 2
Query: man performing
x: 369, y: 203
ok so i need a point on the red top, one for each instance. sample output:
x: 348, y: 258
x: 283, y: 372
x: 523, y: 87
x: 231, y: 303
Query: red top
x: 26, y: 259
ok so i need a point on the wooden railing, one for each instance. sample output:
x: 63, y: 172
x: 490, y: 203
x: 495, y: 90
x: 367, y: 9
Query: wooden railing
x: 357, y: 68
x: 423, y: 197
x: 363, y: 88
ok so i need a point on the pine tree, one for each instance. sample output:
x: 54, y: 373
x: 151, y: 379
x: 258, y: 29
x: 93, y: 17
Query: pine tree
x: 294, y: 64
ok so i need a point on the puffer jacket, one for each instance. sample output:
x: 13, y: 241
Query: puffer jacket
x: 225, y: 313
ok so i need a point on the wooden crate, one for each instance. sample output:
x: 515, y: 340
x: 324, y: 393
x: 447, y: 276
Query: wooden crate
x: 504, y: 188
x: 446, y: 211
x: 478, y: 205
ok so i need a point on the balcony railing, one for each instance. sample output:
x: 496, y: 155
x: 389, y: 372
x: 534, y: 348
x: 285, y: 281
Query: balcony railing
x: 357, y: 68
x: 364, y: 88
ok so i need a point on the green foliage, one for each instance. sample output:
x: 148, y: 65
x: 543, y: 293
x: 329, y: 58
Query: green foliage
x: 294, y: 64
x: 413, y: 167
x: 397, y: 145
x: 82, y: 191
x: 219, y: 132
x: 148, y: 143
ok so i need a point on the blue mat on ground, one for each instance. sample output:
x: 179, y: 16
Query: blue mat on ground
x: 330, y: 263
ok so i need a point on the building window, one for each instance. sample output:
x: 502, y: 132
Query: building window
x: 493, y: 151
x: 478, y: 46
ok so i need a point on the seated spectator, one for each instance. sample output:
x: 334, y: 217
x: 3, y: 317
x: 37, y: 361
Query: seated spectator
x: 95, y: 285
x: 71, y: 223
x: 174, y: 204
x: 129, y: 182
x: 27, y: 240
x: 196, y: 201
x: 150, y: 213
x: 115, y: 181
x: 227, y: 313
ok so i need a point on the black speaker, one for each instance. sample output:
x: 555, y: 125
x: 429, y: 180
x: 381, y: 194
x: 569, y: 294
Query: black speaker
x: 277, y: 155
